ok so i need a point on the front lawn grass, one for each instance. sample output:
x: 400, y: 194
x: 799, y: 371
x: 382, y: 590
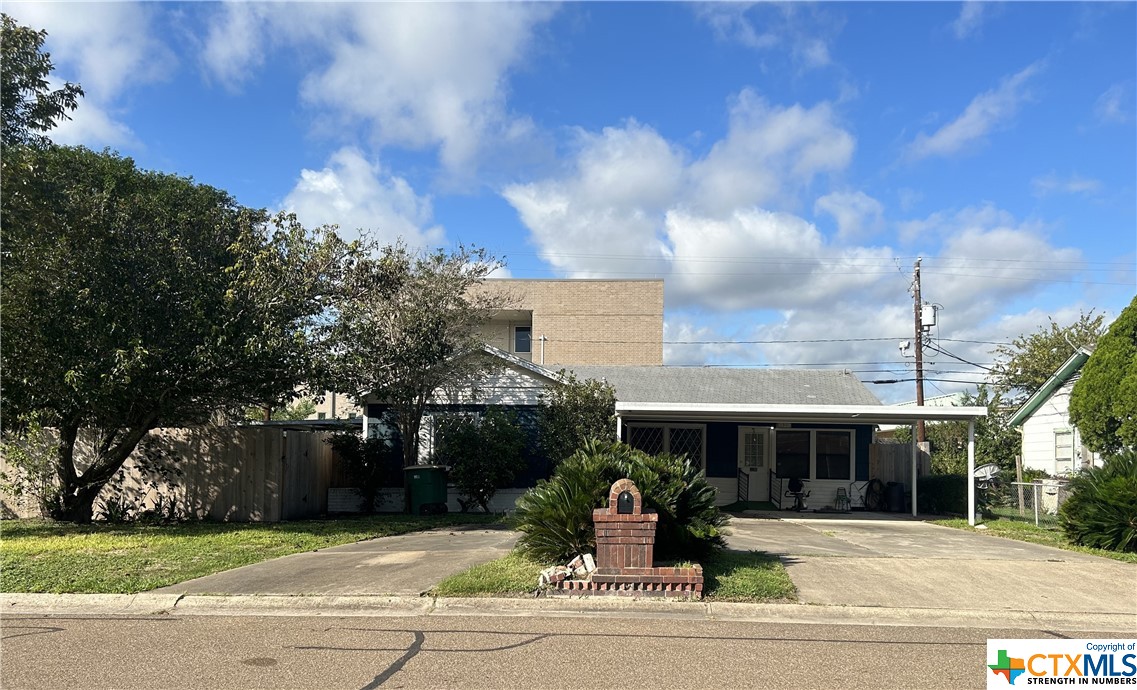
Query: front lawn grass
x: 511, y: 575
x: 1023, y: 531
x: 728, y: 576
x: 45, y: 556
x: 751, y: 576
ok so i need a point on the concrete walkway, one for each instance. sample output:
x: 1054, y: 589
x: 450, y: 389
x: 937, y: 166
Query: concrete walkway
x: 899, y: 562
x: 406, y: 565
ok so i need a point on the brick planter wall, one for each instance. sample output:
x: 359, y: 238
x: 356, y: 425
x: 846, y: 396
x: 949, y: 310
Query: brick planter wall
x: 625, y: 545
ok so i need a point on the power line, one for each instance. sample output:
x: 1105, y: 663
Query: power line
x: 961, y: 359
x: 883, y: 261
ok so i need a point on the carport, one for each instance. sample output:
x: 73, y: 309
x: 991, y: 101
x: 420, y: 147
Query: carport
x: 781, y: 416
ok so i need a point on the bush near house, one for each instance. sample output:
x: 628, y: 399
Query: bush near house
x: 1101, y: 511
x: 369, y: 463
x: 941, y: 494
x: 484, y: 454
x: 555, y: 517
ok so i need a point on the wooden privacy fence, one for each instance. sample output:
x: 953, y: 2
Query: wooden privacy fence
x: 892, y: 462
x: 258, y: 474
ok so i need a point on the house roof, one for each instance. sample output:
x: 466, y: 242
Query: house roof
x: 728, y: 386
x: 1057, y: 380
x: 713, y: 394
x: 520, y: 363
x: 819, y: 414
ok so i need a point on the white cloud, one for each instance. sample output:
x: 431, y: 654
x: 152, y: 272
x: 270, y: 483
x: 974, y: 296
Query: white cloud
x: 631, y: 204
x: 856, y: 213
x: 108, y: 49
x: 419, y: 75
x: 1051, y: 183
x: 691, y: 344
x: 985, y: 256
x: 1115, y: 105
x: 969, y: 20
x: 769, y: 154
x: 359, y: 195
x: 986, y: 112
x: 763, y: 259
x: 804, y: 33
x: 92, y: 126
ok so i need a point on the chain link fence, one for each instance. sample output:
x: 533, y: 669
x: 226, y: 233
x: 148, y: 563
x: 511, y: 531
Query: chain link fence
x: 1034, y: 502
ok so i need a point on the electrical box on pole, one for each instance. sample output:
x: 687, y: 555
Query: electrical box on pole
x: 928, y: 316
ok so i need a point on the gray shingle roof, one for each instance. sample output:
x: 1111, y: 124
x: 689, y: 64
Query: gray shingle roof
x: 725, y: 386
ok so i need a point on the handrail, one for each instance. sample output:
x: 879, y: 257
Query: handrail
x: 743, y: 486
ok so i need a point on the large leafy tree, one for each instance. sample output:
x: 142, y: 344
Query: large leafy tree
x: 1103, y: 404
x: 1022, y: 366
x: 407, y: 329
x: 27, y: 103
x: 574, y: 412
x: 135, y: 299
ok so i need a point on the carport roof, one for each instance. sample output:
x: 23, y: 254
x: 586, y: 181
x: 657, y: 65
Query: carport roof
x: 855, y: 414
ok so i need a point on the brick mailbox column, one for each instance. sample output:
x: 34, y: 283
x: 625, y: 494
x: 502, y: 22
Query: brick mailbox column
x: 625, y: 532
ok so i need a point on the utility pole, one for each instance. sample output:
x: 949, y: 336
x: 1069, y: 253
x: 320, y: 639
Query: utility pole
x: 919, y: 347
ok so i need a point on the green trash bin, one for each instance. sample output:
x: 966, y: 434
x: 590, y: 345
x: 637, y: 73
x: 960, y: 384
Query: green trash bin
x: 428, y: 489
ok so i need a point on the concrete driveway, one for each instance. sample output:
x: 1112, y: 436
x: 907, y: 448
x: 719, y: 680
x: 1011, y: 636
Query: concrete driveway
x: 898, y: 562
x: 406, y: 565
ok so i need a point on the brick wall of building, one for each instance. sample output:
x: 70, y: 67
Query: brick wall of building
x: 585, y: 321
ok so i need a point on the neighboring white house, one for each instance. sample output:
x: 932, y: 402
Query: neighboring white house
x: 1049, y: 441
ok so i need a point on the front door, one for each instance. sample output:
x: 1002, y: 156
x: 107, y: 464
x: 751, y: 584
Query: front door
x: 753, y: 459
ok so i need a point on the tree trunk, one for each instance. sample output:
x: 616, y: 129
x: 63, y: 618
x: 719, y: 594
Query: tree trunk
x: 78, y: 504
x: 78, y: 493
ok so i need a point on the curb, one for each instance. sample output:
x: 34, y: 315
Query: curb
x: 616, y: 607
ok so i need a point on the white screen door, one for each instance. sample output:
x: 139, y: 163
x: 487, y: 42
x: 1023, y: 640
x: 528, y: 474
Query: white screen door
x: 753, y: 454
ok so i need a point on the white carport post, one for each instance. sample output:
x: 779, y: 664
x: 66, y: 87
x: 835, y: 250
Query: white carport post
x: 915, y: 456
x: 619, y: 428
x: 971, y: 472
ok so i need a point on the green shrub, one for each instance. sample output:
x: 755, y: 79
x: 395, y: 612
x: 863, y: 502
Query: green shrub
x: 941, y: 494
x: 573, y: 412
x: 555, y: 517
x: 367, y: 462
x: 484, y: 454
x: 1101, y: 511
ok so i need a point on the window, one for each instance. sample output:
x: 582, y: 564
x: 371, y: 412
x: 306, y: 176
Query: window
x: 814, y: 454
x: 1063, y: 451
x: 677, y: 439
x: 523, y: 339
x: 834, y: 455
x: 793, y: 454
x: 753, y: 449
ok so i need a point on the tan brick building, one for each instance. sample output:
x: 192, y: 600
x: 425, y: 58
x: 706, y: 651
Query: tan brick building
x: 561, y: 322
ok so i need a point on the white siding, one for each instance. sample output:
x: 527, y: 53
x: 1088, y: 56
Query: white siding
x: 726, y: 489
x: 1039, y: 429
x: 510, y: 385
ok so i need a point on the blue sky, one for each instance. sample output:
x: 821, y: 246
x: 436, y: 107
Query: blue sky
x: 780, y: 165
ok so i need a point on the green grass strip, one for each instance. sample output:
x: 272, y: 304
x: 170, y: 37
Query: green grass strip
x: 44, y: 556
x: 729, y: 576
x: 1022, y: 531
x: 751, y: 576
x: 511, y: 575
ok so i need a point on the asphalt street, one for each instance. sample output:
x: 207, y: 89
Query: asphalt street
x: 189, y: 652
